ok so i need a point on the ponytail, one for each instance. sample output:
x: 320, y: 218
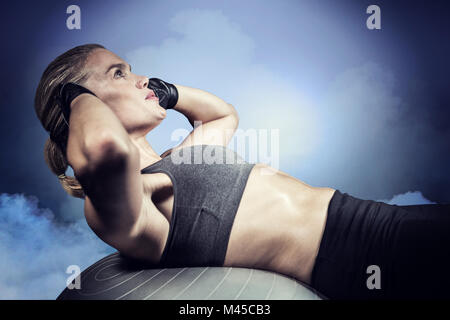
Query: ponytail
x: 57, y: 163
x: 68, y: 67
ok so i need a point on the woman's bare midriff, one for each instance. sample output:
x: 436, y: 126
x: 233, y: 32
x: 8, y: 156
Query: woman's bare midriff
x: 278, y: 225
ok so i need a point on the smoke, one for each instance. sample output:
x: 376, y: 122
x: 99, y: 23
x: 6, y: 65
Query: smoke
x: 408, y: 198
x: 360, y: 131
x: 35, y: 252
x: 372, y: 142
x: 213, y: 53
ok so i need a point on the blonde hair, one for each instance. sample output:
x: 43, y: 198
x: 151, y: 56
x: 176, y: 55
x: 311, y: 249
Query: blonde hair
x: 68, y: 67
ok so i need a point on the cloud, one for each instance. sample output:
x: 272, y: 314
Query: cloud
x: 371, y: 141
x: 357, y: 132
x: 211, y: 52
x: 35, y: 252
x: 408, y: 198
x: 358, y: 137
x: 360, y: 128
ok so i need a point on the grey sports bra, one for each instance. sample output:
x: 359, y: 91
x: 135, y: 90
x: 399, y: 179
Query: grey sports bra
x: 208, y: 182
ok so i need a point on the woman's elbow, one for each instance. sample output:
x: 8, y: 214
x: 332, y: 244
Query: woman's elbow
x: 105, y: 148
x: 234, y: 114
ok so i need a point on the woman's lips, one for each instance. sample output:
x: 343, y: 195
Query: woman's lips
x: 151, y: 96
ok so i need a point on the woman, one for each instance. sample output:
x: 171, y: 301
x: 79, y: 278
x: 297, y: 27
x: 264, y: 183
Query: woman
x: 151, y: 208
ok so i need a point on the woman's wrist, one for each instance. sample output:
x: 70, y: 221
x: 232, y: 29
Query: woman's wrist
x: 166, y: 92
x: 68, y: 92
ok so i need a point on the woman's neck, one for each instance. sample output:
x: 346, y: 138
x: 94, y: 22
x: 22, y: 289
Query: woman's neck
x: 148, y: 156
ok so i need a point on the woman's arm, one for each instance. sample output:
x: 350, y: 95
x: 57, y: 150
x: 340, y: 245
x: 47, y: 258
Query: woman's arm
x: 93, y: 130
x: 200, y: 105
x: 106, y: 163
x: 218, y: 119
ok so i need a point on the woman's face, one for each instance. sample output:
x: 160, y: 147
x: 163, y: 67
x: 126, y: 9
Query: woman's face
x: 112, y: 81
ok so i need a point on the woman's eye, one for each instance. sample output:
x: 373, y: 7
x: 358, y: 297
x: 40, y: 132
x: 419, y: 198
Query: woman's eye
x: 118, y: 72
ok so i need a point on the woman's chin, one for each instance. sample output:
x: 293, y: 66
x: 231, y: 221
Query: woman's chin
x: 157, y: 111
x: 163, y: 112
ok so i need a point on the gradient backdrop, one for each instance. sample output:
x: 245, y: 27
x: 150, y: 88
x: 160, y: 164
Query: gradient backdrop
x: 363, y: 111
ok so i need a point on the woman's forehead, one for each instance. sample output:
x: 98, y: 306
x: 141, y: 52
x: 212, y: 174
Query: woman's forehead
x: 99, y: 60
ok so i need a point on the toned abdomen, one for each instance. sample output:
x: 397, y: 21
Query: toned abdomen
x: 278, y: 224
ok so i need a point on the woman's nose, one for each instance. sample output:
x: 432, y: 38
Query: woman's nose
x: 143, y: 82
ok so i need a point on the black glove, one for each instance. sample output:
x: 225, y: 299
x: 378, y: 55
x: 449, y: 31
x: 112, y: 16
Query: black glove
x: 166, y: 92
x: 67, y: 93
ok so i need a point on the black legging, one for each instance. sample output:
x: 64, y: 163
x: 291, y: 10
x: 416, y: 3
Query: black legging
x: 409, y: 244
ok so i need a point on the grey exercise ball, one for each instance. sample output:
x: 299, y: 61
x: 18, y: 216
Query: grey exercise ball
x: 115, y: 278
